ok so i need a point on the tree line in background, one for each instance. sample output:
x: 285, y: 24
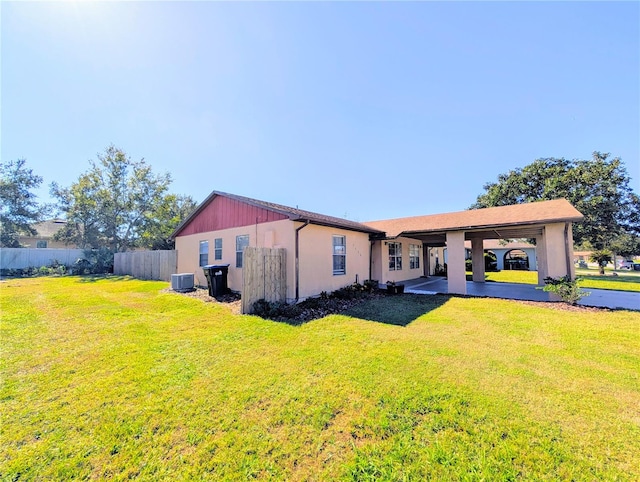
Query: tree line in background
x: 119, y: 204
x: 116, y: 205
x: 598, y: 187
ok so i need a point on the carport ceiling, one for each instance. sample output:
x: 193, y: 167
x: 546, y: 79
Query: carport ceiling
x: 435, y: 239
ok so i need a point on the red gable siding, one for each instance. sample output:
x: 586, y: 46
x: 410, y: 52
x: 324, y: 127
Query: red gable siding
x: 223, y: 213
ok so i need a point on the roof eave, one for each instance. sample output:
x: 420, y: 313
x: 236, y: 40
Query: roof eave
x: 487, y: 226
x: 289, y: 215
x: 258, y: 205
x: 193, y: 214
x: 329, y: 224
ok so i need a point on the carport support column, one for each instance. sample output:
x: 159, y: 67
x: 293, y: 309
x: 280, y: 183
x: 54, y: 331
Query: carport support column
x: 554, y: 250
x: 477, y: 259
x: 457, y: 280
x: 541, y: 258
x: 568, y: 242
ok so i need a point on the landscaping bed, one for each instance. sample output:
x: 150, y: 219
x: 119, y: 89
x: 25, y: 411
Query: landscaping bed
x: 326, y: 304
x: 319, y: 307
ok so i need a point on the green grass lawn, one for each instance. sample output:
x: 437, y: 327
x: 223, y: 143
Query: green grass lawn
x: 625, y: 281
x: 513, y: 276
x: 112, y: 378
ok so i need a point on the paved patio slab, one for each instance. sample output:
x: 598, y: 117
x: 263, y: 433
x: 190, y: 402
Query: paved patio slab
x: 517, y: 291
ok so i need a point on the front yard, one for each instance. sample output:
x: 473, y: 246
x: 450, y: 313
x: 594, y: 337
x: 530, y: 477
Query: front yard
x: 114, y: 378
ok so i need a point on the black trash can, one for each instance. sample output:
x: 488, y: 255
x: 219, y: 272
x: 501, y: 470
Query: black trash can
x: 217, y: 278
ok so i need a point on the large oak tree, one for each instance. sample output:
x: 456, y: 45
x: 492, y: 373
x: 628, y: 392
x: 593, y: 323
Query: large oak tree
x: 598, y: 187
x: 113, y: 204
x: 19, y: 208
x: 163, y: 221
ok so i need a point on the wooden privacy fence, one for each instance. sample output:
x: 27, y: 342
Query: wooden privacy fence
x: 264, y: 276
x: 155, y: 265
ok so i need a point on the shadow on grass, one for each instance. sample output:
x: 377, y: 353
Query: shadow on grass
x: 619, y: 278
x: 469, y: 277
x: 92, y: 278
x: 397, y: 310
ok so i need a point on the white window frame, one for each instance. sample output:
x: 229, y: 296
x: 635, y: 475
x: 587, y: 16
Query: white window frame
x: 242, y: 241
x: 339, y: 251
x: 203, y: 252
x: 217, y: 249
x: 414, y: 256
x: 395, y: 256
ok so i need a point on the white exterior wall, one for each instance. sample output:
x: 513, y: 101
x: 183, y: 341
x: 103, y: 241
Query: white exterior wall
x: 499, y: 252
x: 530, y: 252
x: 438, y: 256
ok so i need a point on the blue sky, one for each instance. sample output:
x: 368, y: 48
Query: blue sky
x: 358, y: 110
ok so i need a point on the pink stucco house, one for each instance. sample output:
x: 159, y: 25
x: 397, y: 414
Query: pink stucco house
x: 325, y: 253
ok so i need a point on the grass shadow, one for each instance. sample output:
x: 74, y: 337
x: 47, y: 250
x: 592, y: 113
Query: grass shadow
x: 619, y: 278
x: 469, y: 277
x: 92, y: 278
x: 399, y: 310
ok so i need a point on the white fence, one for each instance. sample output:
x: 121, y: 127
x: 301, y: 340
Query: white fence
x: 19, y: 258
x: 156, y: 265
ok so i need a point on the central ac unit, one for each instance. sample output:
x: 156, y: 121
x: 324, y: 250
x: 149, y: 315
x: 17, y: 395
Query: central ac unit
x: 182, y: 282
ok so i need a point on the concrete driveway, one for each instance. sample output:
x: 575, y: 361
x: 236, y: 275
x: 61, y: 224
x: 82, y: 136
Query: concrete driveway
x: 516, y: 291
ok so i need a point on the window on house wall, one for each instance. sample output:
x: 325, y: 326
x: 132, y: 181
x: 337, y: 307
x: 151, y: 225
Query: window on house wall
x: 41, y: 244
x: 241, y: 243
x: 395, y: 256
x: 204, y: 253
x: 339, y: 255
x: 414, y: 256
x: 217, y: 249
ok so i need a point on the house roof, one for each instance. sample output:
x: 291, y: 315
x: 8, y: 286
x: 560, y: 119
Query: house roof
x: 294, y: 214
x: 541, y: 212
x: 517, y: 217
x: 46, y: 229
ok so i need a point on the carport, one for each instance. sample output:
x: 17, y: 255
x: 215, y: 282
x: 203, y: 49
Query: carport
x: 548, y: 222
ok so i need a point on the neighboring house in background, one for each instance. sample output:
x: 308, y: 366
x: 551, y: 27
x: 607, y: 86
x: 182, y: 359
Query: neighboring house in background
x: 44, y: 235
x: 582, y: 258
x: 510, y: 255
x: 40, y: 249
x: 324, y: 253
x: 513, y: 254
